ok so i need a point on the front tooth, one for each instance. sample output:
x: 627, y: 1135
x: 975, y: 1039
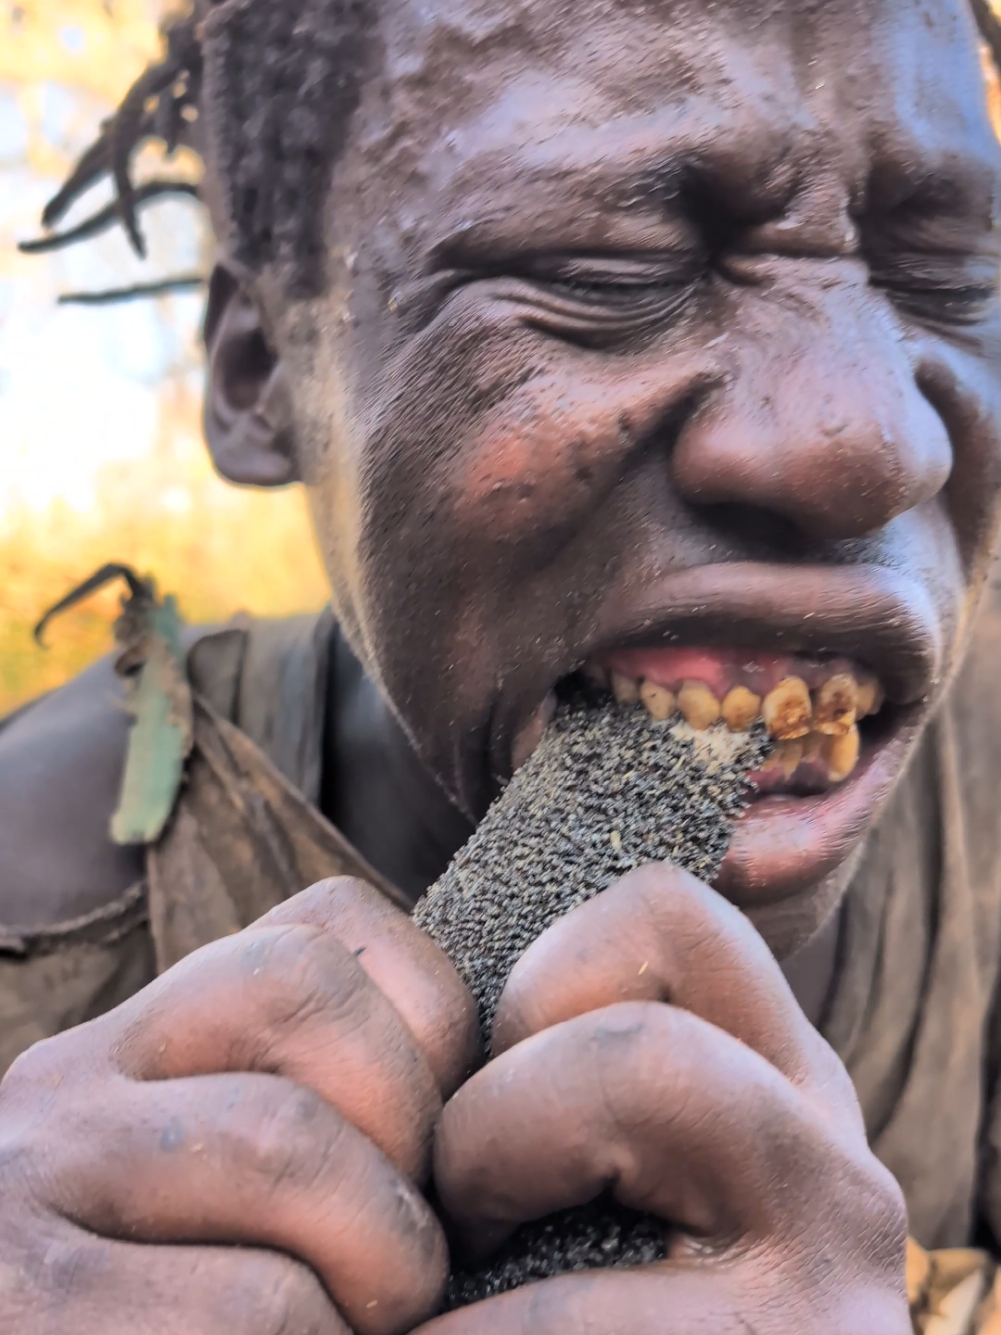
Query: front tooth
x: 835, y: 705
x: 787, y: 710
x: 789, y: 755
x: 740, y: 708
x: 659, y: 701
x: 625, y: 689
x: 841, y: 755
x: 870, y: 697
x: 698, y: 705
x: 813, y: 746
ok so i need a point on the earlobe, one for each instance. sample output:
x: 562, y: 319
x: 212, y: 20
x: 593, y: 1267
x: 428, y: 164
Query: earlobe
x: 248, y: 417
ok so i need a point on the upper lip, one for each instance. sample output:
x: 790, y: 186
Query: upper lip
x: 878, y: 617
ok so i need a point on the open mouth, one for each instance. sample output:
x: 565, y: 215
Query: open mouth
x: 838, y: 743
x: 821, y: 713
x: 840, y: 665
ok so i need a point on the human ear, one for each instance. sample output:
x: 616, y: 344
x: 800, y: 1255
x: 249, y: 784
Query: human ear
x: 247, y: 415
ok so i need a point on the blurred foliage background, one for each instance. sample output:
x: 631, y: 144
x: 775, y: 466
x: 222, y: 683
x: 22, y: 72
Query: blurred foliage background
x: 101, y: 455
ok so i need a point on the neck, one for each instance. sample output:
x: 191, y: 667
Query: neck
x: 810, y: 972
x: 375, y: 788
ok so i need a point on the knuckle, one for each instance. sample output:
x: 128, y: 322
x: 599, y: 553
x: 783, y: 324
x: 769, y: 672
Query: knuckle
x: 290, y: 1141
x: 47, y: 1268
x: 619, y: 1034
x: 67, y: 1269
x: 44, y: 1065
x: 37, y: 1122
x: 883, y: 1219
x: 284, y: 1298
x: 306, y: 973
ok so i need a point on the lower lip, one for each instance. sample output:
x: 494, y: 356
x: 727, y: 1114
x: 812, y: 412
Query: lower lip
x: 783, y: 845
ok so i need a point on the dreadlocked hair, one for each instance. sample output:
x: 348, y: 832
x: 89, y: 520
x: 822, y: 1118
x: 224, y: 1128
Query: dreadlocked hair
x: 270, y: 87
x: 282, y: 80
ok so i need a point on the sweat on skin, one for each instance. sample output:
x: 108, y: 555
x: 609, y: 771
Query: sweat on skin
x: 646, y: 329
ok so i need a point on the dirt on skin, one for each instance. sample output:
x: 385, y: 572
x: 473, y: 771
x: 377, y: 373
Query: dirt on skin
x: 607, y: 790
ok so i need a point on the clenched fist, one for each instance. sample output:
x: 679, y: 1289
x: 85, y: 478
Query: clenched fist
x: 277, y: 1090
x: 650, y: 1046
x: 241, y: 1147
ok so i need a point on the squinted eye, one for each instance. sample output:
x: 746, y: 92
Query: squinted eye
x: 941, y: 290
x: 960, y: 306
x: 602, y: 299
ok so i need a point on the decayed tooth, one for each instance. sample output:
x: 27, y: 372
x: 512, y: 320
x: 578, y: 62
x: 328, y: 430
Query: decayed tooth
x: 625, y: 689
x: 740, y: 708
x: 835, y: 705
x: 698, y: 705
x: 789, y: 755
x: 870, y: 697
x: 787, y: 710
x: 659, y: 701
x: 841, y: 755
x: 813, y: 746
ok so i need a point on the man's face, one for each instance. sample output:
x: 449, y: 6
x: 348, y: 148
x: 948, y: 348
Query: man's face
x: 661, y: 326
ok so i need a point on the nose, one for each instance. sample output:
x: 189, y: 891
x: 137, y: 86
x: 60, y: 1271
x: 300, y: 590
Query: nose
x: 820, y: 420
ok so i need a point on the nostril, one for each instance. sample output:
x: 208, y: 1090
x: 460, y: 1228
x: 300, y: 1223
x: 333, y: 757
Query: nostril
x: 760, y: 533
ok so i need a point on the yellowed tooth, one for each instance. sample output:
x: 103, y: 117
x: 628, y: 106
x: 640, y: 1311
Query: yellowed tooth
x: 625, y: 689
x: 740, y: 708
x: 870, y: 697
x: 835, y: 705
x: 698, y: 705
x: 787, y: 710
x: 813, y: 746
x: 841, y: 755
x: 789, y: 755
x: 659, y: 701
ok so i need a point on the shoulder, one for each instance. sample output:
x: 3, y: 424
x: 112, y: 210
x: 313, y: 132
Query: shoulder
x: 61, y: 761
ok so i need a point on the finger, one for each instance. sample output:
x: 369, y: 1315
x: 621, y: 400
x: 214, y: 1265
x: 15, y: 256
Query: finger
x: 257, y: 1161
x: 119, y: 1288
x: 607, y: 1303
x: 671, y: 1114
x: 404, y: 963
x: 661, y: 935
x: 723, y: 1299
x: 292, y: 1001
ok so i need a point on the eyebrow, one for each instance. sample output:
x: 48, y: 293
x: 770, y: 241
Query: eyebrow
x: 589, y: 178
x: 947, y: 179
x: 946, y: 182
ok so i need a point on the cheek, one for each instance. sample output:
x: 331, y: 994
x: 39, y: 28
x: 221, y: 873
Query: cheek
x: 540, y: 461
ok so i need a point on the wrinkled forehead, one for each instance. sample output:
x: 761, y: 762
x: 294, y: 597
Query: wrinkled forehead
x: 490, y: 97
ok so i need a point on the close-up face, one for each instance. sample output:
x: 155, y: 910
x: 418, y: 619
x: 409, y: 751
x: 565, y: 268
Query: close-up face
x: 661, y: 341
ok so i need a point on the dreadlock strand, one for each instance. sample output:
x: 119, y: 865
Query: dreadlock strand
x: 90, y: 168
x: 156, y: 105
x: 107, y: 217
x: 134, y: 120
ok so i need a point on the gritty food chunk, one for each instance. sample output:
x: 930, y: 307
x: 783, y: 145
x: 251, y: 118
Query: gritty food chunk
x: 608, y: 789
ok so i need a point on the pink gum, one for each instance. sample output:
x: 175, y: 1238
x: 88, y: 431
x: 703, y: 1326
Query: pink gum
x: 722, y: 669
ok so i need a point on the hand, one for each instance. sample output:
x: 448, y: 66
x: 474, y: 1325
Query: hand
x: 278, y: 1090
x: 650, y: 1046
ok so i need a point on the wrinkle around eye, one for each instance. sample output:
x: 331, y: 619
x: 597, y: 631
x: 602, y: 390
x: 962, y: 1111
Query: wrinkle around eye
x: 601, y: 315
x: 942, y: 308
